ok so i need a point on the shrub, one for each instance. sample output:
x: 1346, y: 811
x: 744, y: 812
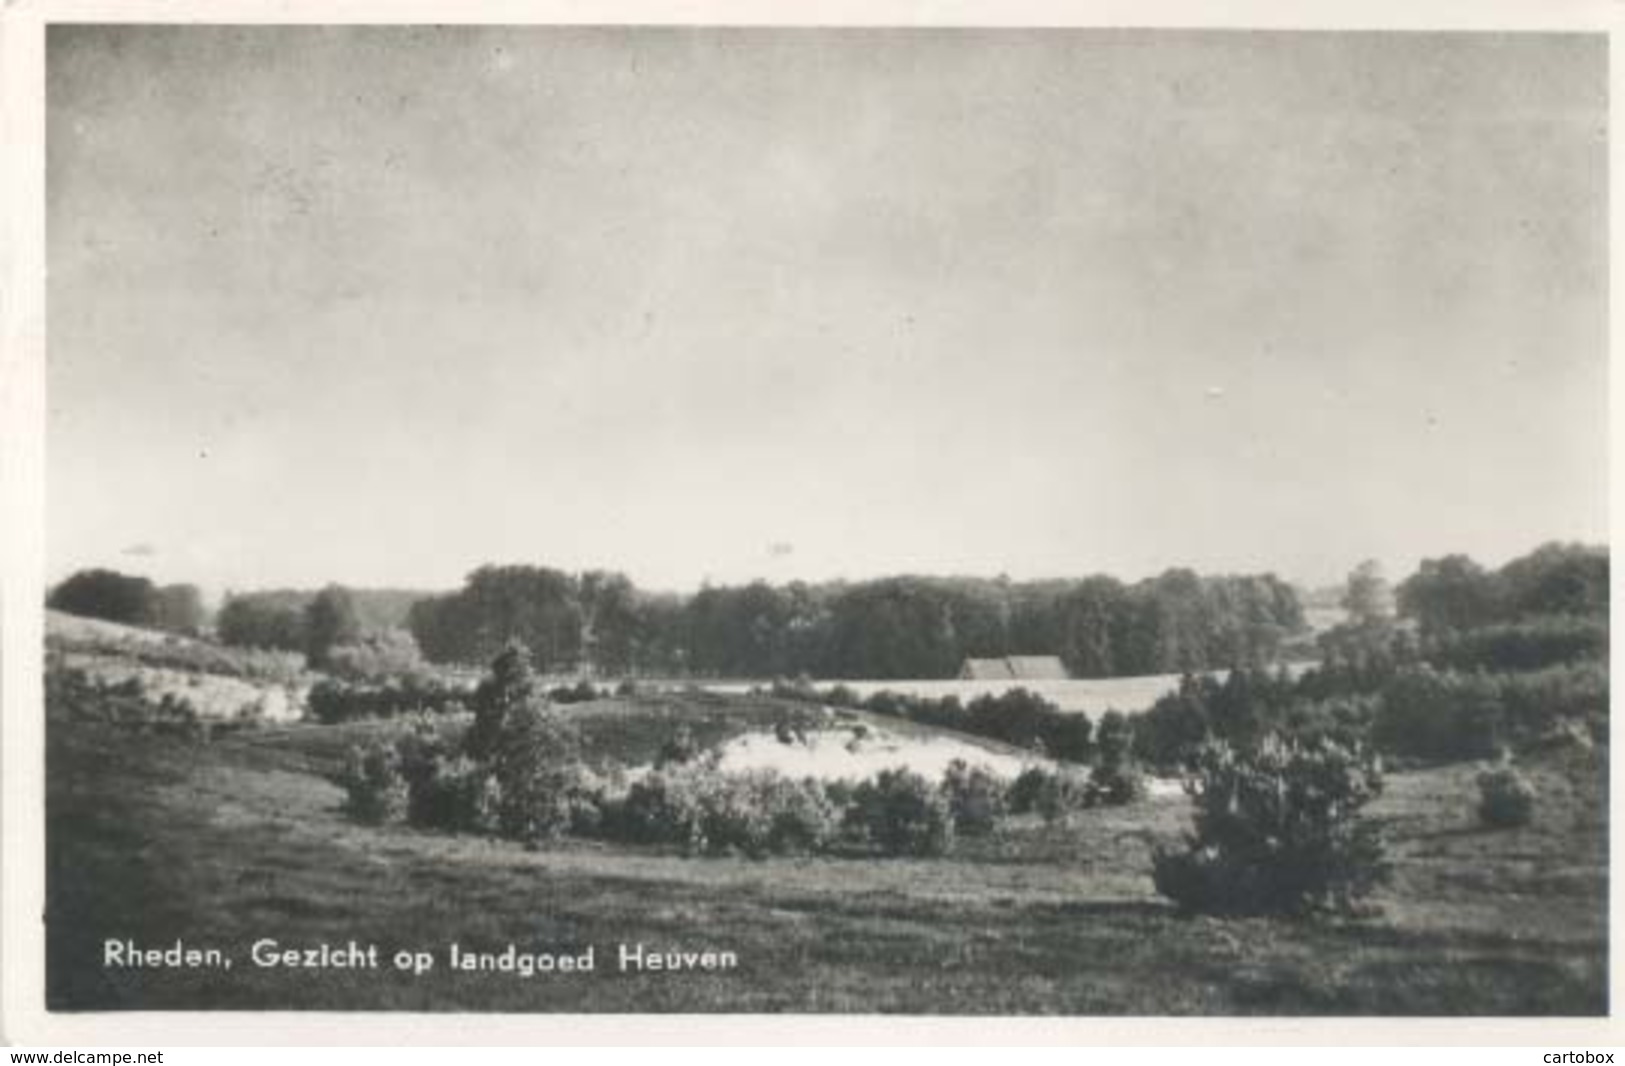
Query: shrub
x: 1114, y: 784
x: 544, y: 788
x: 1240, y: 708
x: 1115, y: 779
x: 1531, y: 644
x: 843, y: 696
x: 1053, y: 794
x: 510, y: 685
x: 1431, y: 714
x: 1345, y: 719
x: 1277, y: 829
x: 1545, y: 702
x: 1506, y: 798
x: 758, y: 813
x: 904, y: 814
x: 1017, y: 717
x: 679, y: 748
x: 976, y: 797
x: 799, y: 689
x: 1061, y: 793
x: 446, y: 790
x: 1443, y: 715
x: 377, y: 657
x: 375, y: 789
x: 330, y: 701
x: 764, y: 813
x: 802, y: 816
x: 582, y: 691
x: 662, y: 808
x: 1028, y: 720
x: 1022, y: 796
x: 841, y: 794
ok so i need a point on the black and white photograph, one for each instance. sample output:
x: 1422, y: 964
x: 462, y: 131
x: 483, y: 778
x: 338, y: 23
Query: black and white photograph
x: 929, y: 520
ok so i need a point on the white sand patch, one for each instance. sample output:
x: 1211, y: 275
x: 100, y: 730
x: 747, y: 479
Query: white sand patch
x: 1163, y: 787
x: 211, y: 695
x: 1092, y: 696
x: 833, y: 754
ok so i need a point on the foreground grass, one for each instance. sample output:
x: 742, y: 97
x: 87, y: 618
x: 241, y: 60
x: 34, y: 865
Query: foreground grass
x: 154, y: 839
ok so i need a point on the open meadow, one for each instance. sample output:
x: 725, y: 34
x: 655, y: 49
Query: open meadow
x: 154, y: 838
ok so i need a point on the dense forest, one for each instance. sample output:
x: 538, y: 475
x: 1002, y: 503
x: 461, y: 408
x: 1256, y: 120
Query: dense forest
x: 900, y: 627
x: 893, y: 628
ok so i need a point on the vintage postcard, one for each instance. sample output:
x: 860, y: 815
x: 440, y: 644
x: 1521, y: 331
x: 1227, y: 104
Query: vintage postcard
x: 804, y: 516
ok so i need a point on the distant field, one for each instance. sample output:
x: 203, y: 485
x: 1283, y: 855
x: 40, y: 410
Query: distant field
x: 153, y: 839
x: 216, y: 681
x: 1092, y: 696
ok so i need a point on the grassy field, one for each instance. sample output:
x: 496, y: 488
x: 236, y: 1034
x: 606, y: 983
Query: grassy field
x: 152, y: 839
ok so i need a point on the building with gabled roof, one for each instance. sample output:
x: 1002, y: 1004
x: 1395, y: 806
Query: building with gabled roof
x: 1014, y: 668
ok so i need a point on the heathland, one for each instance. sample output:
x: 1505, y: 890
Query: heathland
x: 852, y: 851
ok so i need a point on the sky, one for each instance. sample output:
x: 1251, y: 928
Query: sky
x: 378, y: 305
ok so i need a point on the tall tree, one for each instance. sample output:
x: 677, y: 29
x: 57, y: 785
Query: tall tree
x: 1449, y: 594
x: 1367, y: 597
x: 510, y: 685
x: 178, y: 608
x: 330, y: 620
x: 250, y: 621
x: 105, y: 594
x: 1558, y: 579
x: 609, y: 621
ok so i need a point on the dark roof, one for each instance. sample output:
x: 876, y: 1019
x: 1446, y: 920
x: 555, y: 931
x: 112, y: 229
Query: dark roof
x: 1015, y: 668
x: 1037, y: 667
x: 986, y: 670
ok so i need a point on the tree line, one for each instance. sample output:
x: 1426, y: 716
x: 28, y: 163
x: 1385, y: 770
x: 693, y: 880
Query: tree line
x: 1459, y: 662
x: 890, y: 628
x: 131, y: 600
x: 904, y: 627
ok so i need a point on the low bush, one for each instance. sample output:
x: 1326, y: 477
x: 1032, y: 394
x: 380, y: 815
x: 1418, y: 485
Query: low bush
x: 1022, y: 795
x: 1062, y: 793
x: 1017, y: 716
x: 976, y: 797
x: 1278, y: 829
x: 1114, y: 784
x: 902, y: 813
x: 545, y: 789
x: 764, y: 812
x: 756, y: 814
x: 679, y: 748
x: 1444, y: 715
x: 802, y: 817
x: 1506, y: 798
x: 1052, y: 794
x: 375, y: 790
x: 378, y: 658
x: 1115, y: 780
x: 661, y: 808
x: 331, y: 701
x: 446, y: 789
x: 75, y: 694
x: 582, y: 691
